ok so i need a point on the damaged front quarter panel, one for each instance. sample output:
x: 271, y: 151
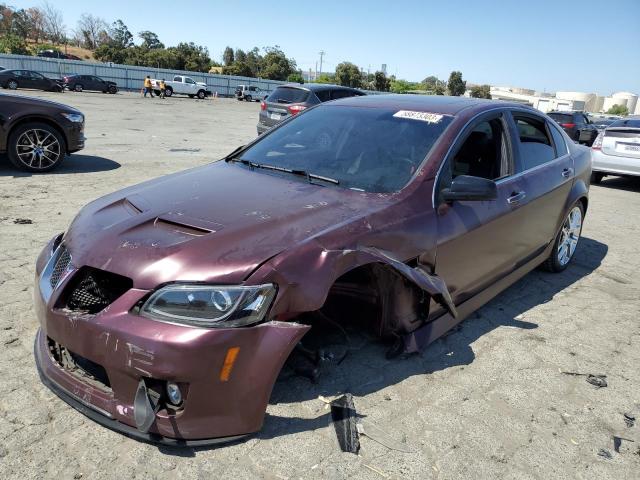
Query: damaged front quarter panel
x: 305, y: 290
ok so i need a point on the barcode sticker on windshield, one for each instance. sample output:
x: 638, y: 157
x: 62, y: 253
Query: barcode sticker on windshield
x: 422, y: 116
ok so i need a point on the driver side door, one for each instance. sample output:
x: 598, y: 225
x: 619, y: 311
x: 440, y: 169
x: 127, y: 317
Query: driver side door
x: 480, y: 241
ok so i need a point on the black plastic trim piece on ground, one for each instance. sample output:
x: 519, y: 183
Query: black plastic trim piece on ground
x: 120, y: 427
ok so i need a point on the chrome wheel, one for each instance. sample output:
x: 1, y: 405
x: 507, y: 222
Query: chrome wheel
x: 38, y: 149
x: 569, y: 236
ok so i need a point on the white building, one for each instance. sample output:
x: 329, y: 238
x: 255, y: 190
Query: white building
x: 588, y: 102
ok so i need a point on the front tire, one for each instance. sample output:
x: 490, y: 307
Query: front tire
x: 12, y: 84
x: 248, y: 98
x: 113, y: 89
x: 201, y: 94
x: 36, y: 147
x: 566, y: 240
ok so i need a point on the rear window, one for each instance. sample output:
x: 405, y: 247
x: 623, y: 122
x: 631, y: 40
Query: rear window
x: 562, y: 117
x: 289, y: 95
x: 365, y: 149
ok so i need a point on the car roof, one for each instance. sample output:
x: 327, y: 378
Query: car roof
x: 443, y: 104
x: 317, y: 87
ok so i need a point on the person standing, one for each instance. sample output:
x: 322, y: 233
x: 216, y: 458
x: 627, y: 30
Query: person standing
x: 163, y: 88
x: 147, y: 86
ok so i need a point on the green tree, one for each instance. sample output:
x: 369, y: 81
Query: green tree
x: 618, y: 110
x: 275, y: 64
x: 481, y: 91
x: 21, y: 23
x: 120, y: 35
x: 325, y: 78
x: 227, y: 56
x: 456, y: 85
x: 296, y: 77
x: 403, y: 86
x: 430, y: 82
x: 240, y: 56
x: 440, y: 89
x: 348, y: 75
x: 380, y: 82
x: 239, y: 69
x: 12, y: 43
x: 150, y: 40
x: 191, y: 57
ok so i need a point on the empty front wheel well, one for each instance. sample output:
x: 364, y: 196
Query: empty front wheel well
x: 585, y: 203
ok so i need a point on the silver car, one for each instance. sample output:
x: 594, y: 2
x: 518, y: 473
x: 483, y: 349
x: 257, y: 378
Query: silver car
x: 616, y: 150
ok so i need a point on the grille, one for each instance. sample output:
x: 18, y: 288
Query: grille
x: 91, y: 290
x: 64, y: 258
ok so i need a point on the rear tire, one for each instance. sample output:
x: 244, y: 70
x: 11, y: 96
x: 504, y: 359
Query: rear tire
x: 168, y: 92
x: 248, y: 98
x: 77, y: 88
x: 596, y: 177
x: 566, y: 241
x: 36, y: 147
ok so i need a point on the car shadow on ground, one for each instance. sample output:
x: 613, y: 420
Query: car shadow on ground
x: 629, y: 184
x: 72, y: 164
x: 366, y: 369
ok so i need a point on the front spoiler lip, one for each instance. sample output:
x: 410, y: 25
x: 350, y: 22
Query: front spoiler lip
x: 109, y: 422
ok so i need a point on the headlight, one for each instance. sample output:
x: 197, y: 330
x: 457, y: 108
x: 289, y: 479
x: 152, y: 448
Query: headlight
x: 210, y: 306
x: 74, y: 117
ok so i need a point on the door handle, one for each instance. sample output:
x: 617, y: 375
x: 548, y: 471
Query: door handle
x: 566, y: 173
x: 516, y: 197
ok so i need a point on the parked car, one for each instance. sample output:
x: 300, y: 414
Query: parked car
x: 37, y: 134
x: 250, y: 93
x: 184, y: 86
x: 577, y: 125
x: 291, y: 99
x: 78, y: 83
x: 601, y: 122
x: 168, y: 309
x: 50, y: 53
x: 616, y: 151
x: 14, y: 79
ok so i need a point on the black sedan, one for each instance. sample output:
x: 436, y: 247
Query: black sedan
x: 14, y: 79
x: 78, y: 83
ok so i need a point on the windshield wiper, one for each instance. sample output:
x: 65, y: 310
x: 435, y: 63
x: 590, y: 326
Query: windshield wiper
x: 275, y: 168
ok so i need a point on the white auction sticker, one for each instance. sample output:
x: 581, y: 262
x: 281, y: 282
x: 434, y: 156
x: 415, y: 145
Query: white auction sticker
x: 422, y: 116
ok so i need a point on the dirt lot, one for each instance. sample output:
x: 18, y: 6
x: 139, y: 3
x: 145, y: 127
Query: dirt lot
x: 486, y: 401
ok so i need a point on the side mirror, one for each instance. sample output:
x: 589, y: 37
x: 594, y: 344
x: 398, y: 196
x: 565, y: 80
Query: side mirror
x: 467, y: 188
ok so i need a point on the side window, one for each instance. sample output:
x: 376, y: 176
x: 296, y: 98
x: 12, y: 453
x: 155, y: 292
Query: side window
x: 323, y: 95
x: 535, y: 145
x: 484, y: 152
x: 559, y: 141
x: 335, y: 94
x: 177, y: 78
x: 188, y: 80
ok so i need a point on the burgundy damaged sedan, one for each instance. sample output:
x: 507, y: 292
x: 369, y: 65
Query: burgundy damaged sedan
x: 168, y: 309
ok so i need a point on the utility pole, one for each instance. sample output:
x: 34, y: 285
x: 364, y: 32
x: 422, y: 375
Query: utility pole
x: 321, y: 55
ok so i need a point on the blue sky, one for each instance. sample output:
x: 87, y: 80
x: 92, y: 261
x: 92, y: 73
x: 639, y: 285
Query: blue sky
x: 581, y: 45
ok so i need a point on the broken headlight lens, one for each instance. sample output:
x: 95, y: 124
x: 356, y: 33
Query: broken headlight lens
x: 210, y: 306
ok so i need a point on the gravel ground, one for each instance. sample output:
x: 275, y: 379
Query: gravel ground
x: 486, y: 401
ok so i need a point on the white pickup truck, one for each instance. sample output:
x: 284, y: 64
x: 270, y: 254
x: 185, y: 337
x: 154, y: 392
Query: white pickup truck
x: 182, y: 85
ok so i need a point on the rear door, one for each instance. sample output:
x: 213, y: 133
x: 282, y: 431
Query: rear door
x: 279, y: 101
x: 546, y: 168
x: 97, y: 84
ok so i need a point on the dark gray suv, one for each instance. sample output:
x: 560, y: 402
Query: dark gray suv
x: 288, y: 100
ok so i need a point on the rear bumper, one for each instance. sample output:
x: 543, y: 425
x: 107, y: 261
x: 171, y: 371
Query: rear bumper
x: 617, y: 165
x: 131, y: 348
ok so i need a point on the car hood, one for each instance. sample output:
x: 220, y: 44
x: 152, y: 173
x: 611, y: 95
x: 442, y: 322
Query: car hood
x: 37, y: 102
x: 215, y: 223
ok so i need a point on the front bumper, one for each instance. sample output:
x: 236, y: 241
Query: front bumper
x: 74, y: 133
x: 131, y: 348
